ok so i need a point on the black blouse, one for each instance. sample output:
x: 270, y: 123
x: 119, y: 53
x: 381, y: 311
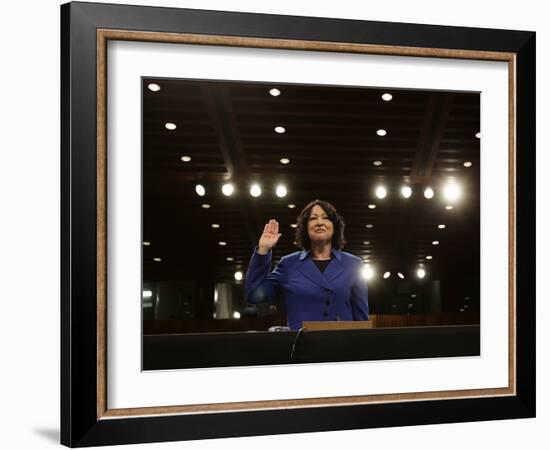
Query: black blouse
x: 322, y: 264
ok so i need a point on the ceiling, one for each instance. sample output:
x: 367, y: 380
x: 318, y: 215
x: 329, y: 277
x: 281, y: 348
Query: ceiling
x: 331, y: 140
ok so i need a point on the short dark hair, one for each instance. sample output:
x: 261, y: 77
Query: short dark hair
x: 302, y: 236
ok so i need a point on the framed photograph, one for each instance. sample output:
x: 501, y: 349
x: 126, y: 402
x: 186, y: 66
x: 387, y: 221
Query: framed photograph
x: 279, y: 224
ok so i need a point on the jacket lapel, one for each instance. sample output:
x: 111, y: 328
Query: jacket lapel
x: 335, y: 268
x: 308, y: 268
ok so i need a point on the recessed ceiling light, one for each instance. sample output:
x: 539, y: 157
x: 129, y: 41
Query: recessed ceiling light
x: 386, y: 275
x: 366, y: 242
x: 441, y: 226
x: 293, y: 225
x: 200, y: 190
x: 236, y: 315
x: 381, y: 192
x: 227, y: 189
x: 429, y: 257
x: 255, y: 190
x: 400, y: 275
x: 387, y: 97
x: 467, y: 163
x: 229, y: 258
x: 275, y: 92
x: 435, y: 242
x: 238, y: 275
x: 413, y: 295
x: 428, y: 193
x: 449, y: 207
x: 285, y: 161
x: 153, y: 87
x: 478, y: 135
x: 381, y: 132
x: 146, y: 243
x: 370, y: 225
x: 205, y: 205
x: 280, y: 130
x: 372, y: 206
x: 222, y: 243
x: 157, y: 259
x: 292, y: 206
x: 281, y: 191
x: 452, y: 192
x: 186, y: 158
x: 215, y: 225
x: 420, y: 273
x: 406, y: 191
x: 377, y: 163
x: 368, y: 272
x: 170, y: 126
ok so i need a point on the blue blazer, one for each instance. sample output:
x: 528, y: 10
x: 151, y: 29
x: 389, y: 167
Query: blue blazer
x: 339, y: 293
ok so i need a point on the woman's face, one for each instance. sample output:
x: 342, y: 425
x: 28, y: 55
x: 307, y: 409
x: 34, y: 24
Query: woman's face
x: 319, y: 227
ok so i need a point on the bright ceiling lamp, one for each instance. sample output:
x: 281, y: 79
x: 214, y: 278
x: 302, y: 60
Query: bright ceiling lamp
x: 406, y: 191
x: 281, y: 191
x: 368, y: 272
x: 255, y: 190
x: 452, y: 192
x: 228, y: 189
x: 429, y: 193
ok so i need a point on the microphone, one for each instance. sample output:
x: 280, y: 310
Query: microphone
x: 298, y: 334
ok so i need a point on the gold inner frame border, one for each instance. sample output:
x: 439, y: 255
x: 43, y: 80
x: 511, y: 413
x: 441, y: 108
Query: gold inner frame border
x: 103, y: 36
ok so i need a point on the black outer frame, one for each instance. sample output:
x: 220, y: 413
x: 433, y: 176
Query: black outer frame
x: 79, y: 423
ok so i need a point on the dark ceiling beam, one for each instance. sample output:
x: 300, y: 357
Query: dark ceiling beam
x: 218, y: 103
x: 433, y: 126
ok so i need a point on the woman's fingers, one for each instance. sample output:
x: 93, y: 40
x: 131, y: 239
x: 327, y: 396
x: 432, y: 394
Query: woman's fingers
x: 272, y: 227
x: 271, y: 235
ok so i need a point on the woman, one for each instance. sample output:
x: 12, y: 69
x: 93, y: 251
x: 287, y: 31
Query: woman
x: 321, y: 282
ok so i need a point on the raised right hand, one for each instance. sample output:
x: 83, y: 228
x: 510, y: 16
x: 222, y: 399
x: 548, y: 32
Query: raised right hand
x: 269, y: 237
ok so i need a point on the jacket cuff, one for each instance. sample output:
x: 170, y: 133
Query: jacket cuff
x: 263, y: 261
x: 260, y: 255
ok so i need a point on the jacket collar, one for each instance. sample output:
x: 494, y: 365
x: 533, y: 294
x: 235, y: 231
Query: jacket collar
x: 305, y: 253
x: 308, y: 268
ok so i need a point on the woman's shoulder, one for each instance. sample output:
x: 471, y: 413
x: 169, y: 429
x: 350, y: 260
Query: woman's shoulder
x: 292, y: 256
x: 348, y: 257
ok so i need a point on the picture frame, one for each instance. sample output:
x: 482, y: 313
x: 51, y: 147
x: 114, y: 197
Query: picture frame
x: 86, y: 418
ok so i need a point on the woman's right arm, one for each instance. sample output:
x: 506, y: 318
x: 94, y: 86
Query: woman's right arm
x: 260, y: 285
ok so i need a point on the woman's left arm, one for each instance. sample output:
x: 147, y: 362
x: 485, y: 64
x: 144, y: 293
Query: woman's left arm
x: 359, y: 296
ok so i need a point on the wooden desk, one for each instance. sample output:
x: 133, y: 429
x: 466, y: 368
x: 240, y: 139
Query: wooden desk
x: 337, y: 325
